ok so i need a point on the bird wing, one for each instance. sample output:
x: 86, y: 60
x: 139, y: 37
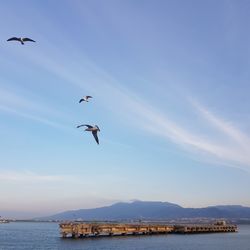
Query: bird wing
x: 26, y: 39
x: 84, y: 125
x: 81, y: 100
x: 13, y: 39
x: 95, y: 136
x: 88, y: 96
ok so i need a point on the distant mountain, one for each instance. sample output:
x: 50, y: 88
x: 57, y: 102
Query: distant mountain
x: 152, y: 211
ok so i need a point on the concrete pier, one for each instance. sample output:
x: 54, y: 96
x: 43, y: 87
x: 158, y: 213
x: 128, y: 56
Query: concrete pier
x: 191, y: 229
x: 80, y: 230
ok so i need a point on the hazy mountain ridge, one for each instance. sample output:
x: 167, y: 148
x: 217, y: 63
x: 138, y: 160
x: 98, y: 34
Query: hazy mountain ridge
x: 152, y: 210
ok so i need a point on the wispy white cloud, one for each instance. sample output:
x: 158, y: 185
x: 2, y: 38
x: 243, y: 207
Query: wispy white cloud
x: 15, y: 104
x: 221, y: 124
x: 159, y: 124
x: 27, y: 176
x: 33, y: 117
x: 142, y: 115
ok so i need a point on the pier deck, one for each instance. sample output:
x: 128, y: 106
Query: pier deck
x: 188, y: 229
x: 81, y: 230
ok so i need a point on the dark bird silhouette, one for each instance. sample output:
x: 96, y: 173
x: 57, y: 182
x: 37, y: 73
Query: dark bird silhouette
x: 92, y: 129
x: 21, y: 39
x: 85, y: 98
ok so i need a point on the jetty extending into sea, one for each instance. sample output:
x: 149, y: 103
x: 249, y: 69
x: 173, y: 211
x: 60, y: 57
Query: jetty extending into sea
x: 82, y: 230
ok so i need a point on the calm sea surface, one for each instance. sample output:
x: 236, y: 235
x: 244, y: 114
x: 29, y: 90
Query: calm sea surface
x: 21, y: 235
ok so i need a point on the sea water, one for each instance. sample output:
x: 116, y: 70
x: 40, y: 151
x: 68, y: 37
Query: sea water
x: 45, y: 236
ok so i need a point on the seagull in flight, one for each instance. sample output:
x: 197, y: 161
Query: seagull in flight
x: 85, y: 98
x: 92, y: 129
x: 21, y: 39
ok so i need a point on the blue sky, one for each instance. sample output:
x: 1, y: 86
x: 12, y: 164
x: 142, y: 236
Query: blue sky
x: 170, y: 87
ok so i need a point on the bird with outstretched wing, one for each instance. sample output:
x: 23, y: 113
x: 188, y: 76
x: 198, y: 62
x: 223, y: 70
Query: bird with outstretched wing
x: 21, y: 39
x: 93, y: 129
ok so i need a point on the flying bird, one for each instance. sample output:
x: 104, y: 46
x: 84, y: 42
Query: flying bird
x: 21, y: 39
x: 92, y: 129
x: 85, y: 98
